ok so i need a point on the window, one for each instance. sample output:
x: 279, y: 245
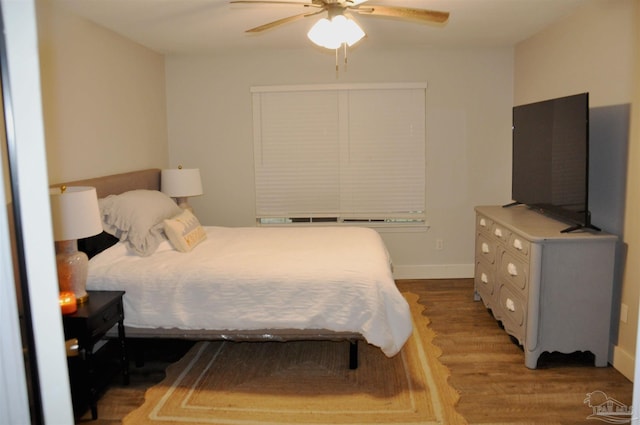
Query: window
x: 340, y: 154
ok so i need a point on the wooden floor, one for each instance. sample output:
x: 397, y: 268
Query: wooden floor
x: 487, y: 368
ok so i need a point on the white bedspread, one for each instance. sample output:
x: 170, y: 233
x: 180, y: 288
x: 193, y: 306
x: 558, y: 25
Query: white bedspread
x: 337, y: 279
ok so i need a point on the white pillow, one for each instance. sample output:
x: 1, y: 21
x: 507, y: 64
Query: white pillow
x: 184, y: 231
x: 136, y: 217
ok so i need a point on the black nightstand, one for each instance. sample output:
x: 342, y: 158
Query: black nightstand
x: 88, y: 325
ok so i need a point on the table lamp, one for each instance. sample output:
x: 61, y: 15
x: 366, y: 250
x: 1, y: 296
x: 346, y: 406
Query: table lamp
x: 180, y: 183
x: 75, y: 214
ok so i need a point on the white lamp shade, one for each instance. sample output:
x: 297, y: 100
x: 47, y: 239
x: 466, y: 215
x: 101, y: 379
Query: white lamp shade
x: 75, y: 213
x: 181, y: 182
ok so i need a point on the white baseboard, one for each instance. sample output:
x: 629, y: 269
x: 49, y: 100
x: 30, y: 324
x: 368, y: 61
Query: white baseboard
x: 624, y: 362
x: 441, y: 271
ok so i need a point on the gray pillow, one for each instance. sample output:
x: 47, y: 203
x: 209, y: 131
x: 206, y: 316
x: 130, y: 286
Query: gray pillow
x: 136, y: 217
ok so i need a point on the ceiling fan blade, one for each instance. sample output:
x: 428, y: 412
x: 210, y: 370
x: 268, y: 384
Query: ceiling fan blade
x: 295, y: 3
x: 422, y: 15
x: 283, y: 21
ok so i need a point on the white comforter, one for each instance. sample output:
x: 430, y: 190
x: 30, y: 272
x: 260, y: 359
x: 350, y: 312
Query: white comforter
x: 337, y: 279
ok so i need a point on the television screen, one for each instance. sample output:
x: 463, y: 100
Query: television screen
x: 551, y: 157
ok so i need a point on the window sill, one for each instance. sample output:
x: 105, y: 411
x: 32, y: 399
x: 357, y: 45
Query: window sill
x: 380, y: 227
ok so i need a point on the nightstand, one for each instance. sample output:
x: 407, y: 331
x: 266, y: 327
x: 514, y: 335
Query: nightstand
x: 89, y: 325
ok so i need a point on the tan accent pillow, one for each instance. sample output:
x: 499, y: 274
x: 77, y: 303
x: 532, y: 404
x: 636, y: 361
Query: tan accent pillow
x: 184, y: 231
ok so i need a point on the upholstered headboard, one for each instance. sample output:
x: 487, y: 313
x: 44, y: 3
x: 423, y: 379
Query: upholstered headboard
x: 116, y: 184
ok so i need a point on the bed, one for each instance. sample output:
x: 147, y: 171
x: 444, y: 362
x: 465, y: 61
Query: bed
x: 242, y: 283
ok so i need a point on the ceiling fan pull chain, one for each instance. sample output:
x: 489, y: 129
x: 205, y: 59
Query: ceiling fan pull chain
x: 337, y: 69
x: 345, y: 56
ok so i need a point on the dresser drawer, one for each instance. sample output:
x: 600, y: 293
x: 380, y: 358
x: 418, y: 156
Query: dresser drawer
x: 501, y: 233
x: 486, y: 249
x: 512, y: 312
x: 485, y: 282
x: 513, y: 270
x: 519, y: 244
x: 484, y: 224
x: 100, y: 323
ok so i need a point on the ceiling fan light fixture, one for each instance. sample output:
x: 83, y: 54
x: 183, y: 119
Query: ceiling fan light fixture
x: 322, y: 35
x: 331, y: 34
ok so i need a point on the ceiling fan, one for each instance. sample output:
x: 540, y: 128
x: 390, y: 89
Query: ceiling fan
x: 338, y: 7
x: 338, y: 30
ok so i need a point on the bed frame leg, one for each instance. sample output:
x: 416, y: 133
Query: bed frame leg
x: 353, y: 354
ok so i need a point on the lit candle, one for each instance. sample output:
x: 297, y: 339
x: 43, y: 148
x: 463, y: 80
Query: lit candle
x: 68, y: 302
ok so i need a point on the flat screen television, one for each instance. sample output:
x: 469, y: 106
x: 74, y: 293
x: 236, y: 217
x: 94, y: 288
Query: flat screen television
x: 551, y: 158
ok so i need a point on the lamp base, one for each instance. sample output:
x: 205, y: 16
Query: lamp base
x: 83, y: 299
x: 183, y: 203
x: 73, y: 266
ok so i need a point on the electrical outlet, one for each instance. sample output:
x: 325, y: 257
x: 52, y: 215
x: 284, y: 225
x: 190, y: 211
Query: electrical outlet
x: 439, y: 244
x: 624, y: 313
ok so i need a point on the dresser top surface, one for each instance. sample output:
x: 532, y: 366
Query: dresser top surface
x: 536, y: 226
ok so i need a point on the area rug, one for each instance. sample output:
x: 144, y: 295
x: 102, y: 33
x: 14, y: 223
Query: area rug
x: 304, y: 382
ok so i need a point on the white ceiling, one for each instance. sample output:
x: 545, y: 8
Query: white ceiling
x: 197, y: 26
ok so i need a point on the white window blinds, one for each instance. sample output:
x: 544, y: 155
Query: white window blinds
x: 340, y: 154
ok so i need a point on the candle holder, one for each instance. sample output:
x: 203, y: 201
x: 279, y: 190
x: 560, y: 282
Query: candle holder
x: 68, y: 303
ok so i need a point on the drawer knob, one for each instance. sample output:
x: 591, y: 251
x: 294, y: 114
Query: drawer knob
x: 498, y: 232
x: 484, y: 278
x: 517, y: 244
x: 485, y: 248
x: 510, y: 305
x: 512, y: 269
x: 72, y: 347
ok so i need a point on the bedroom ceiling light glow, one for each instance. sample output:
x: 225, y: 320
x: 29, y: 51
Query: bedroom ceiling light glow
x: 75, y: 214
x: 333, y: 33
x: 180, y: 183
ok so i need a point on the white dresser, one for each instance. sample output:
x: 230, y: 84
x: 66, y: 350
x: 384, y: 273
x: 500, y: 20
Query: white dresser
x: 552, y: 291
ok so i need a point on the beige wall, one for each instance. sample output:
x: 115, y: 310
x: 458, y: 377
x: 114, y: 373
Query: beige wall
x: 103, y: 99
x: 469, y: 100
x: 595, y: 50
